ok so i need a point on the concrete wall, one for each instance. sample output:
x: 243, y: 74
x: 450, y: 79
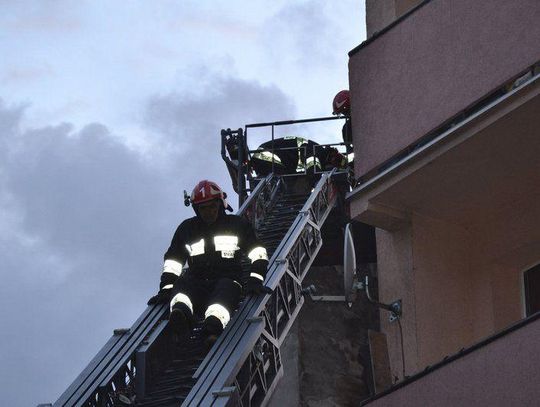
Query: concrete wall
x: 287, y: 393
x: 325, y: 356
x: 432, y: 65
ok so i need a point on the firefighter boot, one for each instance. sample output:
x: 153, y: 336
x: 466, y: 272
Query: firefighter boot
x: 209, y: 341
x: 213, y: 326
x: 180, y: 320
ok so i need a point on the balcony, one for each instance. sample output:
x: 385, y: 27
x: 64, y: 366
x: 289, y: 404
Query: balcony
x: 429, y: 66
x: 502, y: 370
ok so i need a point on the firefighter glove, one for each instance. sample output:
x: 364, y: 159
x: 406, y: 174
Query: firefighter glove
x: 255, y: 286
x: 162, y: 297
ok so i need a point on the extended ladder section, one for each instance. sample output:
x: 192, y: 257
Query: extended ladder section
x: 143, y: 366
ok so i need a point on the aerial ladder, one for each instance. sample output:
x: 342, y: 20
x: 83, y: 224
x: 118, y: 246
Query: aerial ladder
x: 142, y: 365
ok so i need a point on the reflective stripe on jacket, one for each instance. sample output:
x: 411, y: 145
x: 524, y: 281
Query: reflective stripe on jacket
x: 214, y: 251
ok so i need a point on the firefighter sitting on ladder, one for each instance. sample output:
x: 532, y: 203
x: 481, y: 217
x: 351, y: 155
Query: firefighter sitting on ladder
x: 211, y: 243
x: 286, y: 155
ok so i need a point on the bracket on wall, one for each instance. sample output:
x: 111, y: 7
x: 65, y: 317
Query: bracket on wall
x: 352, y: 283
x: 395, y: 308
x: 311, y: 290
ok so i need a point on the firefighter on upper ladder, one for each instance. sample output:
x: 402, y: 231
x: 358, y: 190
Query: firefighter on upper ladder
x: 286, y: 155
x: 211, y: 244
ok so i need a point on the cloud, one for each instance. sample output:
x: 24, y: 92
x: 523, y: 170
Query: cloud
x: 47, y: 16
x: 305, y: 32
x: 86, y: 220
x: 25, y: 74
x: 190, y: 123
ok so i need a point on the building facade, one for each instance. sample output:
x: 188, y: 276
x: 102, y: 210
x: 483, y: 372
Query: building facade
x: 445, y: 98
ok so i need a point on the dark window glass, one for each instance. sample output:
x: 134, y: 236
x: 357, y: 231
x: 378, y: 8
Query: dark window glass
x: 532, y: 290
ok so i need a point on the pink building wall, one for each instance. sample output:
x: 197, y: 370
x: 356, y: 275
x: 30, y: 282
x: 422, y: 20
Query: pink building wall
x: 432, y: 65
x: 502, y: 373
x: 458, y: 286
x: 468, y: 228
x: 380, y: 13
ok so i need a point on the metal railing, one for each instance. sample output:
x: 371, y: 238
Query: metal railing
x: 112, y: 371
x: 261, y: 200
x: 239, y: 167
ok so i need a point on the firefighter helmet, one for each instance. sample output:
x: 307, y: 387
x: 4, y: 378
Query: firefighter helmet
x: 341, y: 103
x: 206, y: 191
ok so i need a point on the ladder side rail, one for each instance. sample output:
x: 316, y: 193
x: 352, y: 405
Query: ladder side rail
x: 215, y: 365
x: 323, y: 187
x: 327, y: 196
x: 245, y: 310
x: 153, y: 348
x: 249, y: 202
x: 306, y: 246
x: 105, y: 357
x: 228, y: 335
x: 224, y: 351
x: 66, y: 396
x: 121, y: 369
x: 246, y: 342
x: 265, y: 201
x: 97, y: 392
x: 254, y: 366
x: 255, y: 379
x: 227, y: 339
x: 262, y: 198
x: 233, y: 360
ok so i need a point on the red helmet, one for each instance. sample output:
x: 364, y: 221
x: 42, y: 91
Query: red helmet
x: 205, y: 191
x: 341, y: 103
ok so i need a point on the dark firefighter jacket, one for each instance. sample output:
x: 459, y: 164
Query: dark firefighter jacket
x: 289, y: 155
x: 214, y: 251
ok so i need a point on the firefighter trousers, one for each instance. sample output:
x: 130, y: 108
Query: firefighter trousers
x: 208, y: 296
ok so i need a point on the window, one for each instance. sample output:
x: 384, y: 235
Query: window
x: 532, y: 290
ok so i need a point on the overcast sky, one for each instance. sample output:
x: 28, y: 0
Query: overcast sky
x: 108, y: 111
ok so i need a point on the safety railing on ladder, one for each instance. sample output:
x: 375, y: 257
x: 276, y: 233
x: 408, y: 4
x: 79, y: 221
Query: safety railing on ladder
x: 244, y: 365
x: 111, y: 373
x: 262, y: 199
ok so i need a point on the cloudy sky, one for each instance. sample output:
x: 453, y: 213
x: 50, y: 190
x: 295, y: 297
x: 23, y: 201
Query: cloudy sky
x: 108, y: 111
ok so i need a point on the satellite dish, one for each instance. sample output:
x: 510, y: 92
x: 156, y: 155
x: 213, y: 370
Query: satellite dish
x: 349, y: 265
